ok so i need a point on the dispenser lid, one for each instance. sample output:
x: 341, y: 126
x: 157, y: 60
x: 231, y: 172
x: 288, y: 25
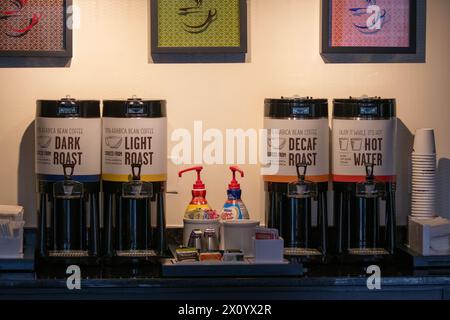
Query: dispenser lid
x: 68, y: 108
x: 296, y: 107
x: 234, y: 185
x: 199, y: 185
x: 134, y: 108
x: 364, y: 107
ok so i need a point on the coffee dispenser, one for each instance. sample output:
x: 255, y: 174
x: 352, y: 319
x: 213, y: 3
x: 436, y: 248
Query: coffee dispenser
x: 134, y: 177
x: 298, y: 135
x: 364, y: 134
x: 68, y: 142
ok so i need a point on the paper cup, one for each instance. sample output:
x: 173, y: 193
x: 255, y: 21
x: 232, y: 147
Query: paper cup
x: 424, y: 142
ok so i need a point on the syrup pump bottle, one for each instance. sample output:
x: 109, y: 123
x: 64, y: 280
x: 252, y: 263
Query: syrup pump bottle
x: 198, y: 192
x: 234, y: 208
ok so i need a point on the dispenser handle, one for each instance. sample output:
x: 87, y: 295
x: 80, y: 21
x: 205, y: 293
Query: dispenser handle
x: 302, y: 176
x: 235, y: 169
x: 136, y: 175
x: 198, y: 169
x: 370, y: 171
x: 68, y: 174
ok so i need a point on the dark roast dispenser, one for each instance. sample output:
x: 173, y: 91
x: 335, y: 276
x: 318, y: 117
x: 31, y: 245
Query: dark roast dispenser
x: 364, y: 178
x: 293, y: 198
x: 68, y: 181
x: 134, y: 176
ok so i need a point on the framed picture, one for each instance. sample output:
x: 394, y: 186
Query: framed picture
x: 371, y: 28
x: 199, y: 26
x: 37, y: 28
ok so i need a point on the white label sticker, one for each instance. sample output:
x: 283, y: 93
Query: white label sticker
x: 134, y: 141
x: 304, y: 141
x: 68, y: 141
x: 359, y: 142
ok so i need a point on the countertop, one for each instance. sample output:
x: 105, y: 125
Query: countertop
x: 331, y: 281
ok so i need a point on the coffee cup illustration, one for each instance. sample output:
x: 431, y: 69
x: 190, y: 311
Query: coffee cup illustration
x: 114, y: 142
x: 343, y: 144
x: 44, y: 142
x: 356, y: 144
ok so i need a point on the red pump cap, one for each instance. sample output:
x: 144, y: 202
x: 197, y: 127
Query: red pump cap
x: 199, y: 183
x: 234, y: 185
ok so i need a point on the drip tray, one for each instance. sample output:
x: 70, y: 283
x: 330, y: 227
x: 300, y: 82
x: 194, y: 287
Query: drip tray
x: 368, y: 252
x: 68, y: 254
x: 137, y: 254
x: 301, y: 252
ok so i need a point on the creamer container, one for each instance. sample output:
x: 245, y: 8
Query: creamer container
x: 234, y: 208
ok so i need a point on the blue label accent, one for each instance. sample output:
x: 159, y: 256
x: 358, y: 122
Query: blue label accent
x: 55, y: 178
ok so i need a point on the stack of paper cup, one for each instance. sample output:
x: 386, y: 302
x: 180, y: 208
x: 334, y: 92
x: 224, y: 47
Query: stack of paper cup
x: 424, y: 174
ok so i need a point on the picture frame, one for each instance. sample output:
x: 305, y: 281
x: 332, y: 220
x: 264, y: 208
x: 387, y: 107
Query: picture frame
x: 348, y: 36
x: 39, y: 31
x: 195, y: 41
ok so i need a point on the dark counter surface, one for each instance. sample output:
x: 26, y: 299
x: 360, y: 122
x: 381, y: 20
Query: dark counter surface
x: 332, y: 281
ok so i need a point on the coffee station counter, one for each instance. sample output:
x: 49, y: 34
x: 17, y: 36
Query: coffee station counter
x: 331, y: 281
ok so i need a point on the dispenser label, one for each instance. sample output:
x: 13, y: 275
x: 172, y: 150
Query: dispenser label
x: 134, y: 141
x: 302, y: 140
x: 68, y: 141
x: 359, y: 142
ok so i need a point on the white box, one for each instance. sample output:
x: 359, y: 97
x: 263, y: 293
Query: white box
x: 429, y: 236
x: 269, y: 251
x: 11, y: 232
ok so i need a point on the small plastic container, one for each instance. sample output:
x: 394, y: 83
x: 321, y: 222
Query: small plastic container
x: 11, y: 232
x: 191, y: 224
x: 239, y: 235
x: 269, y: 251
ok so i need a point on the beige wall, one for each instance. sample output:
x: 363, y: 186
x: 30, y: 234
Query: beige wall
x: 111, y: 60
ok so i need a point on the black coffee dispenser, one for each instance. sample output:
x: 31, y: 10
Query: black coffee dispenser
x: 68, y: 180
x: 134, y: 136
x: 303, y: 141
x: 364, y: 178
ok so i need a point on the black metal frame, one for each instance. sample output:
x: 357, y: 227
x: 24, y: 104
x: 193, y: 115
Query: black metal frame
x: 198, y: 50
x: 66, y: 53
x: 326, y: 48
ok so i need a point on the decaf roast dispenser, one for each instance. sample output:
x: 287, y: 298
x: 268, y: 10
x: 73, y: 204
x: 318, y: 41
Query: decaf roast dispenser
x: 298, y: 137
x: 364, y: 135
x: 134, y: 174
x: 68, y: 161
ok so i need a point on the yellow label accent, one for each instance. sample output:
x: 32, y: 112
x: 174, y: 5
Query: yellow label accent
x: 288, y: 179
x: 126, y: 178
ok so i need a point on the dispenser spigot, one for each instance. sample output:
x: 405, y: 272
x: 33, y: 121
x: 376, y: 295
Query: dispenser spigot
x: 68, y: 174
x: 301, y: 175
x: 136, y: 175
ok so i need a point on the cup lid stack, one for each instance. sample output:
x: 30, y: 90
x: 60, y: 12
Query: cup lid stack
x: 424, y: 190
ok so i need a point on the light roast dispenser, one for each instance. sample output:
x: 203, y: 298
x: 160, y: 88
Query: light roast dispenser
x: 134, y: 174
x: 364, y: 134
